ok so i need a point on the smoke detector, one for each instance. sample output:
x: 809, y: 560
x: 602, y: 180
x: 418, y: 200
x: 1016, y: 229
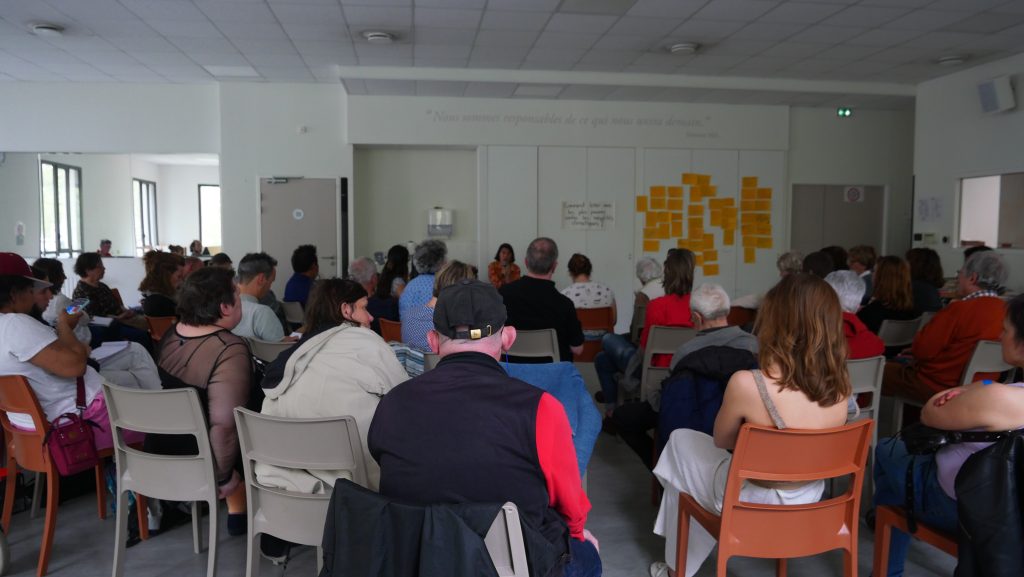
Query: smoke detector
x: 684, y: 48
x: 46, y: 29
x: 378, y: 37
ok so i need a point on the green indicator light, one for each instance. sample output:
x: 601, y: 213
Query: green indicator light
x: 843, y: 112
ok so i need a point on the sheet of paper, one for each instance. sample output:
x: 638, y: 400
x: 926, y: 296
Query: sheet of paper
x: 102, y: 321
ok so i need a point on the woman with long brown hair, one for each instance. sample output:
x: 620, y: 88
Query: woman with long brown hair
x: 804, y: 385
x: 892, y: 296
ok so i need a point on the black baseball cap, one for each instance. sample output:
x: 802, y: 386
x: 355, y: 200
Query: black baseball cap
x: 473, y: 305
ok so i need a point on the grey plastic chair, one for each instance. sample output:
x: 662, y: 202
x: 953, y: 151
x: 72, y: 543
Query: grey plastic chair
x: 504, y: 541
x: 330, y: 443
x: 987, y: 358
x: 430, y: 361
x: 661, y: 340
x: 174, y: 478
x: 293, y: 312
x: 866, y: 377
x: 266, y: 350
x: 899, y: 333
x: 541, y: 343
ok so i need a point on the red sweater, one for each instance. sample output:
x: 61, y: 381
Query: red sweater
x: 944, y: 346
x: 668, y: 311
x: 862, y: 342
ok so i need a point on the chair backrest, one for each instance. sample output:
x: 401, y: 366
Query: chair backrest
x: 117, y: 297
x: 391, y: 331
x: 159, y: 325
x: 899, y: 333
x: 504, y: 541
x: 170, y: 412
x: 987, y: 358
x: 783, y: 531
x: 636, y: 325
x: 866, y: 378
x: 740, y: 316
x: 661, y: 340
x: 926, y: 317
x: 266, y: 350
x: 293, y: 312
x: 599, y: 319
x: 325, y: 444
x: 542, y: 343
x: 16, y: 396
x: 430, y: 361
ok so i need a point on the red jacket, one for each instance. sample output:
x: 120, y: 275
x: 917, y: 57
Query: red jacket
x: 669, y: 311
x: 944, y: 346
x: 862, y: 342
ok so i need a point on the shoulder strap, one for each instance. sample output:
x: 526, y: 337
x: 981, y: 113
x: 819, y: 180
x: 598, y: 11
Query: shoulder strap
x: 762, y: 390
x: 80, y: 394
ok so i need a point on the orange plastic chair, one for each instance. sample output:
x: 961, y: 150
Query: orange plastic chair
x: 739, y: 316
x: 391, y: 331
x: 601, y: 319
x: 158, y: 326
x: 887, y: 517
x: 26, y: 449
x: 784, y: 531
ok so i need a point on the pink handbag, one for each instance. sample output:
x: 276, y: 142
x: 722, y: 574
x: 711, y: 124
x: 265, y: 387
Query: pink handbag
x: 70, y: 439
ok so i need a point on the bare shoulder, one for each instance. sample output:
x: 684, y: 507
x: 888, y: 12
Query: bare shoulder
x: 742, y: 383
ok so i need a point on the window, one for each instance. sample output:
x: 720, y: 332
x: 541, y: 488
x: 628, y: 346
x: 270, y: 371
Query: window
x: 146, y: 234
x: 60, y: 209
x: 209, y: 216
x: 989, y: 210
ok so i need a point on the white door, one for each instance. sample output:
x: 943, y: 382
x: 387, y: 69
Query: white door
x: 826, y: 215
x: 296, y: 211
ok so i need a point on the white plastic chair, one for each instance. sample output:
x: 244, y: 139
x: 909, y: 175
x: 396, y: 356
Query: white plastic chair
x: 267, y: 351
x: 293, y: 312
x: 899, y: 333
x: 541, y: 343
x: 987, y: 358
x: 866, y: 378
x: 504, y: 541
x: 661, y: 340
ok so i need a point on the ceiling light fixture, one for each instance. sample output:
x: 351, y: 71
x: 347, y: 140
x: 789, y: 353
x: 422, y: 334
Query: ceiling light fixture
x: 684, y: 48
x: 46, y: 29
x: 378, y: 37
x: 952, y: 59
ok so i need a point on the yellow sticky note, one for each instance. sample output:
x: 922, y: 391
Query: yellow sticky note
x: 764, y: 193
x: 675, y: 192
x: 710, y: 255
x: 748, y: 241
x: 728, y: 201
x: 676, y: 217
x: 748, y: 229
x: 699, y: 259
x: 716, y: 203
x: 716, y: 217
x: 765, y: 229
x: 675, y: 204
x: 689, y: 178
x: 745, y: 206
x: 695, y: 222
x: 696, y: 244
x: 677, y: 229
x: 657, y: 191
x: 658, y: 203
x: 748, y: 194
x: 696, y: 209
x: 696, y: 193
x: 663, y: 231
x: 641, y: 204
x: 650, y: 232
x: 764, y: 242
x: 709, y: 240
x: 710, y: 269
x: 729, y: 222
x: 765, y: 205
x: 683, y: 243
x: 650, y: 219
x: 749, y: 181
x: 703, y: 179
x: 749, y: 255
x: 652, y: 246
x: 730, y: 211
x: 729, y: 237
x: 711, y: 191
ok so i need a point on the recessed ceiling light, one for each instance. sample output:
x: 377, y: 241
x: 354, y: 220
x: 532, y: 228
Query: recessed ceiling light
x: 684, y: 48
x: 46, y: 29
x: 378, y: 37
x: 952, y: 59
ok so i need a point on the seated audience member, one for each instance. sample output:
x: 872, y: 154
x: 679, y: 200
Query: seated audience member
x: 503, y: 269
x: 819, y: 264
x: 850, y: 289
x: 51, y: 361
x: 709, y: 304
x: 176, y: 249
x: 395, y: 273
x: 105, y: 245
x: 164, y: 272
x: 221, y: 260
x: 802, y: 384
x: 943, y: 347
x: 672, y: 310
x: 861, y: 260
x: 533, y: 302
x: 893, y: 298
x: 196, y: 249
x: 256, y: 273
x: 648, y: 272
x: 428, y: 258
x: 925, y: 279
x: 419, y: 321
x: 466, y: 432
x: 306, y: 267
x: 788, y: 263
x: 364, y: 271
x: 588, y: 294
x: 192, y: 264
x: 839, y: 257
x: 204, y: 355
x: 979, y: 406
x: 104, y: 303
x: 130, y: 367
x: 975, y: 249
x: 54, y: 271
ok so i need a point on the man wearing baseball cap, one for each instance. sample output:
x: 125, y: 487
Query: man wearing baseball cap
x: 466, y: 432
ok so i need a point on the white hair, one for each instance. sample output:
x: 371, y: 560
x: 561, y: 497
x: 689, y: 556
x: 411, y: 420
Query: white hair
x: 710, y: 301
x: 648, y: 269
x: 362, y: 270
x: 989, y: 267
x: 849, y: 286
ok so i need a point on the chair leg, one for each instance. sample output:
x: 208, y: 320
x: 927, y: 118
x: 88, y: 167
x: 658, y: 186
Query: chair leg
x: 120, y: 532
x: 850, y: 561
x: 211, y: 563
x: 141, y: 508
x: 52, y: 499
x: 319, y: 560
x: 780, y: 568
x: 883, y: 534
x: 37, y: 495
x: 101, y: 490
x: 12, y: 475
x: 195, y: 525
x: 252, y: 560
x: 682, y: 539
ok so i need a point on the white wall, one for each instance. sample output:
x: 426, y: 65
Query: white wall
x: 177, y: 198
x: 954, y: 139
x: 979, y: 210
x: 19, y: 194
x: 399, y: 185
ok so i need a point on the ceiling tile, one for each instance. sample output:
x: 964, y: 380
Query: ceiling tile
x: 814, y: 65
x: 184, y: 29
x: 741, y: 47
x: 801, y: 12
x: 444, y: 36
x: 278, y: 60
x: 144, y: 44
x: 613, y: 7
x: 901, y: 54
x: 285, y: 73
x: 163, y: 10
x: 364, y: 50
x: 439, y: 88
x: 883, y: 37
x: 92, y: 10
x: 761, y: 65
x: 986, y: 23
x: 719, y: 61
x: 706, y: 30
x: 972, y: 6
x: 328, y: 47
x: 316, y: 31
x: 82, y: 44
x: 354, y: 85
x: 388, y: 17
x: 532, y: 21
x: 598, y: 67
x: 566, y: 40
x: 580, y: 23
x: 866, y: 16
x: 249, y: 46
x: 527, y: 5
x: 393, y: 87
x: 163, y: 59
x: 447, y: 17
x: 220, y: 59
x: 384, y: 61
x: 865, y: 67
x: 308, y: 14
x: 735, y: 10
x: 666, y: 8
x: 203, y: 45
x: 101, y: 59
x: 828, y: 34
x: 848, y: 52
x: 614, y: 42
x: 925, y: 20
x: 441, y: 51
x: 942, y: 40
x: 184, y: 71
x: 440, y: 62
x: 220, y: 11
x: 324, y: 60
x: 545, y: 65
x: 622, y: 57
x: 636, y: 26
x: 490, y: 89
x: 656, y: 63
x: 238, y: 30
x: 1012, y: 7
x: 474, y: 4
x: 500, y: 53
x: 124, y: 28
x: 769, y: 30
x: 504, y: 38
x: 555, y: 56
x: 898, y: 3
x: 796, y: 49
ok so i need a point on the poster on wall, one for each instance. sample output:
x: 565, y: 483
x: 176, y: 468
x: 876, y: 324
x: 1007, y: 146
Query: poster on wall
x: 588, y: 215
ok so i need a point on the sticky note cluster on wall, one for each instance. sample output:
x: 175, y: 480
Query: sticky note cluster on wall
x: 755, y: 218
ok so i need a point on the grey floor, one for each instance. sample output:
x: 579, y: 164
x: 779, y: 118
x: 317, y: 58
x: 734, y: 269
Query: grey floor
x: 622, y: 518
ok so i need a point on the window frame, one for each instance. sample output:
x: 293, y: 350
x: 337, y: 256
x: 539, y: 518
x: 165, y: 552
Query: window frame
x: 61, y: 249
x: 199, y: 199
x: 147, y: 187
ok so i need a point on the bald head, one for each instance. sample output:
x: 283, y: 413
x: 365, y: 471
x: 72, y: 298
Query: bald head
x: 542, y: 257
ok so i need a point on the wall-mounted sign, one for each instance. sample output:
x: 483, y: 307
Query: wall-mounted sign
x: 588, y: 215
